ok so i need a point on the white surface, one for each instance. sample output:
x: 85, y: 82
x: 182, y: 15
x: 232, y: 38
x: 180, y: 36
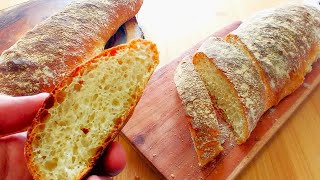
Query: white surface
x: 315, y: 3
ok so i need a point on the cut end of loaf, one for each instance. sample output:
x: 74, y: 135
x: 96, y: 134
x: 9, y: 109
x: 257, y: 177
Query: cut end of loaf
x: 226, y: 97
x: 87, y: 110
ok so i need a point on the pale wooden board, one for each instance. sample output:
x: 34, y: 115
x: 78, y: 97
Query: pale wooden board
x: 158, y: 129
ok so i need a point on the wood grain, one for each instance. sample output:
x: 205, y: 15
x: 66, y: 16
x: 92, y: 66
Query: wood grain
x: 294, y: 152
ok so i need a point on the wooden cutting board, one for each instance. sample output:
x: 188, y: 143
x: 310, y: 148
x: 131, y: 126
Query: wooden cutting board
x: 158, y: 128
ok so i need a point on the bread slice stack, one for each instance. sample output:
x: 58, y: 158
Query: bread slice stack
x: 87, y: 110
x: 257, y: 65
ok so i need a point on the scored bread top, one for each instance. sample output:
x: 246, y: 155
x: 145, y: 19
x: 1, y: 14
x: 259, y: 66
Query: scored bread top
x: 197, y: 103
x: 241, y: 72
x: 41, y: 58
x: 87, y: 110
x: 282, y: 40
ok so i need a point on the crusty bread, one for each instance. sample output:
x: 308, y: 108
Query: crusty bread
x: 232, y: 79
x: 203, y: 124
x: 258, y: 64
x: 40, y: 59
x: 283, y: 43
x: 87, y: 110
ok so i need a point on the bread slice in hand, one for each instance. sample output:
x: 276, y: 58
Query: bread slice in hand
x: 203, y: 121
x: 87, y: 110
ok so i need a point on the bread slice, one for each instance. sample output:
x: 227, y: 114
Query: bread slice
x: 87, y: 110
x: 283, y: 43
x: 203, y: 124
x: 235, y: 83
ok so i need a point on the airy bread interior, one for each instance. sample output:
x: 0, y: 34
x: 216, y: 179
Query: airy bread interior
x: 88, y: 110
x: 225, y: 95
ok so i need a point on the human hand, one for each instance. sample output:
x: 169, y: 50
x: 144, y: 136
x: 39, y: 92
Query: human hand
x: 16, y: 114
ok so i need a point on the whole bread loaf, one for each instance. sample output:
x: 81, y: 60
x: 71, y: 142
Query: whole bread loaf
x: 43, y: 56
x: 87, y: 110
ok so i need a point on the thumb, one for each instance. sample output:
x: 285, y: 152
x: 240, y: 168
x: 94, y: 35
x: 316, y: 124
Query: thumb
x: 17, y: 113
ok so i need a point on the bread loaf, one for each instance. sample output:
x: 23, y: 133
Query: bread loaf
x: 40, y: 59
x: 203, y: 124
x: 265, y: 60
x: 233, y: 80
x: 87, y: 110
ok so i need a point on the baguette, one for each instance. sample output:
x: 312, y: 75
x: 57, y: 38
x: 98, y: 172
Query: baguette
x: 43, y: 56
x: 87, y: 110
x: 232, y: 79
x: 203, y: 125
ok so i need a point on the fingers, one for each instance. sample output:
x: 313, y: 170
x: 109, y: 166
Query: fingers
x: 12, y: 161
x: 99, y: 178
x: 114, y: 159
x: 226, y: 30
x: 111, y: 163
x: 17, y: 113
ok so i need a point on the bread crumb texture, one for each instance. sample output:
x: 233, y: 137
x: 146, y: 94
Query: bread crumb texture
x: 88, y: 108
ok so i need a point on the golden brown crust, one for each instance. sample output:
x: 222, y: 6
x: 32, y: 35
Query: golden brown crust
x: 40, y: 59
x: 203, y: 123
x: 58, y: 95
